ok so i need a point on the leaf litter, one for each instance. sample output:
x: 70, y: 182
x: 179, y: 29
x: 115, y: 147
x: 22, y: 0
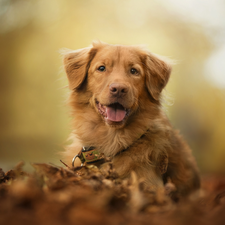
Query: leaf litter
x: 87, y: 195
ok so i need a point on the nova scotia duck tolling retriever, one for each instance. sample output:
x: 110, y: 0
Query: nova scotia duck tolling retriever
x: 116, y: 112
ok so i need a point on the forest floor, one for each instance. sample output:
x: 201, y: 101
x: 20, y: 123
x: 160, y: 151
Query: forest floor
x: 55, y: 195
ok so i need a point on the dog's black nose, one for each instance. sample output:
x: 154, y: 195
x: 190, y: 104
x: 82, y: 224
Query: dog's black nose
x: 118, y: 89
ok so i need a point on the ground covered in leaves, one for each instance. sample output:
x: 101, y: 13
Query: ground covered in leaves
x: 56, y: 195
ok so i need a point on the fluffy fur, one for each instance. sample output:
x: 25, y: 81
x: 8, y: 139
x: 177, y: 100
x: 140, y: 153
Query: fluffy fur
x: 104, y: 76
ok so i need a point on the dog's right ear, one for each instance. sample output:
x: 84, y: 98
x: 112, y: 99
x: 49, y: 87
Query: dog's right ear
x: 76, y: 65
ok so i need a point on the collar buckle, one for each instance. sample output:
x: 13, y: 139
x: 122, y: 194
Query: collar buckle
x: 88, y: 155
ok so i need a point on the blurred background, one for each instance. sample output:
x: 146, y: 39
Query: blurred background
x: 34, y: 121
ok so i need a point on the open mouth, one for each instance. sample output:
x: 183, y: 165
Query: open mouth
x: 114, y: 112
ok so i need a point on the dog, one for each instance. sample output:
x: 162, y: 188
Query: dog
x: 116, y: 108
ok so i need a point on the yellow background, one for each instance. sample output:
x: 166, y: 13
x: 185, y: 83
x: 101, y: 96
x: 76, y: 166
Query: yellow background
x: 34, y: 121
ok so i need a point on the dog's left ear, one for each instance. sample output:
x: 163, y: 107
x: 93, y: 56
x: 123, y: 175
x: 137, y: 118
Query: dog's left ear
x: 158, y: 73
x: 76, y: 64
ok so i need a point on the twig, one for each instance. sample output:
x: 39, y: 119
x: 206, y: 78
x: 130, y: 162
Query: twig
x: 64, y: 164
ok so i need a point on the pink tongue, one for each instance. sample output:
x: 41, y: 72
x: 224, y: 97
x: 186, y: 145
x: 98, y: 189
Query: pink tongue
x: 115, y: 114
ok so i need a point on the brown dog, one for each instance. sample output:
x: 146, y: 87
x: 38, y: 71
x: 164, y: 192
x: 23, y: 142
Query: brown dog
x: 115, y: 100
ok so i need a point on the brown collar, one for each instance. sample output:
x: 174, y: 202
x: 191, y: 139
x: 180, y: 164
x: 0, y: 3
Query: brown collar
x: 91, y: 155
x: 118, y: 153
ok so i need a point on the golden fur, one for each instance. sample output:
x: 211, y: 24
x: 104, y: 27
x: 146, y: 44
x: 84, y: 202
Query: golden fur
x: 102, y: 76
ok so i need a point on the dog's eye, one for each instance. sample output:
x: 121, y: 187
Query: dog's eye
x: 101, y: 68
x: 133, y: 71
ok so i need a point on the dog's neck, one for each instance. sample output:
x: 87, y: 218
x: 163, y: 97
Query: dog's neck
x: 112, y: 141
x: 91, y: 154
x: 86, y: 148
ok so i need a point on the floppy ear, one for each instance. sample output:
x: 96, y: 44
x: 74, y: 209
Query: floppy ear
x: 76, y: 65
x: 158, y: 73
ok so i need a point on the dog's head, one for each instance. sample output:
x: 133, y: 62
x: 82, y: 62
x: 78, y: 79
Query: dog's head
x: 116, y: 78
